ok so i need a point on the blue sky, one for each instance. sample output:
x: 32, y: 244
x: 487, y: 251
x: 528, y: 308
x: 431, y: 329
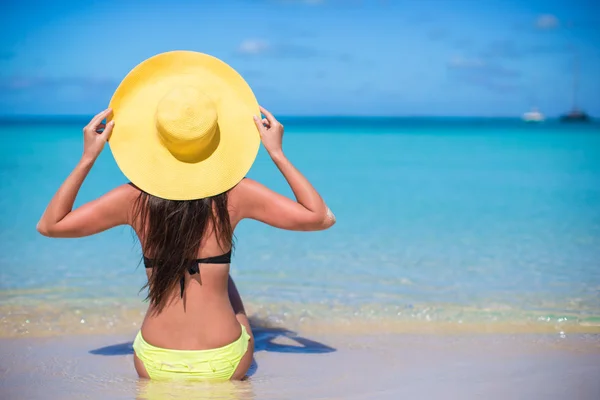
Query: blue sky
x: 311, y: 57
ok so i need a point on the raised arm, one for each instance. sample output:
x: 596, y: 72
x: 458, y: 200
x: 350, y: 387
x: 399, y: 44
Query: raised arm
x: 59, y: 219
x: 308, y: 213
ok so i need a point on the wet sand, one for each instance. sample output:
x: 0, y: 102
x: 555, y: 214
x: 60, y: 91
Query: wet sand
x: 320, y: 366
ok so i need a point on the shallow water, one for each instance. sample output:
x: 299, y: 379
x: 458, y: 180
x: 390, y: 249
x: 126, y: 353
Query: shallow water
x: 481, y: 222
x: 328, y: 366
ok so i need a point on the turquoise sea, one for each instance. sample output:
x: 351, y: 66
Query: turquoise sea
x: 480, y: 221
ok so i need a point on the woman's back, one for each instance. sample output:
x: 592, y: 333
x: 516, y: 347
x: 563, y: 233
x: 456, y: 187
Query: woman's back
x: 199, y: 315
x: 202, y: 319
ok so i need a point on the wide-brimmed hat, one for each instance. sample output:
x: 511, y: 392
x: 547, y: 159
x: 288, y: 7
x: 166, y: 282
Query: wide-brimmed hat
x: 183, y: 126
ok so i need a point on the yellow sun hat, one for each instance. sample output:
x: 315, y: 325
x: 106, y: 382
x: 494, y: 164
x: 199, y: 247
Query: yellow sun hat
x: 183, y: 126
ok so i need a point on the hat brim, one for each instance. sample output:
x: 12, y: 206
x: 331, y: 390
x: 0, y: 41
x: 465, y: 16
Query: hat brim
x: 138, y: 150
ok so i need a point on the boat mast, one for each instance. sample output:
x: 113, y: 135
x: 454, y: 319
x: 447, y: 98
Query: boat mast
x: 575, y: 79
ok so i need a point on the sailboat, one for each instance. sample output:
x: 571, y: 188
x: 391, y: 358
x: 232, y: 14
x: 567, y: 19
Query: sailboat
x: 533, y: 116
x: 575, y: 115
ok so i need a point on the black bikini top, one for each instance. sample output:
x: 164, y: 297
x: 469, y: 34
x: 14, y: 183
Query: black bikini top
x: 194, y: 267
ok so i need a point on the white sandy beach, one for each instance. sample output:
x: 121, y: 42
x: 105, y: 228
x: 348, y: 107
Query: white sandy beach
x: 340, y: 366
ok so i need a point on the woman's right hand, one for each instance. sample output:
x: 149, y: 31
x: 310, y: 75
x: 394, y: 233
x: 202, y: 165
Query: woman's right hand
x: 271, y: 132
x: 96, y: 134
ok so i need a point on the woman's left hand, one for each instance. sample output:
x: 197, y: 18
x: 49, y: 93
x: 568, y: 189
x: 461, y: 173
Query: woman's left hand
x: 96, y: 134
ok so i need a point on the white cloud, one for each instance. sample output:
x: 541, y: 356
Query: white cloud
x: 484, y: 74
x: 253, y: 46
x: 256, y: 47
x: 461, y: 62
x: 547, y: 21
x: 51, y: 83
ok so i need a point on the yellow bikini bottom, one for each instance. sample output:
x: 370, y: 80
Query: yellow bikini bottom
x: 205, y: 365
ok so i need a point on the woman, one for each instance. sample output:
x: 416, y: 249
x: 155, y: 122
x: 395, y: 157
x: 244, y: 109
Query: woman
x: 181, y: 129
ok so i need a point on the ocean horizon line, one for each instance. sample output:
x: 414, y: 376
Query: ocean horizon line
x: 73, y: 118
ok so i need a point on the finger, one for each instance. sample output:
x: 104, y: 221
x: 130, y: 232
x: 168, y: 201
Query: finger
x: 266, y: 122
x: 100, y: 127
x: 259, y: 124
x: 107, y: 131
x: 99, y: 117
x: 272, y: 120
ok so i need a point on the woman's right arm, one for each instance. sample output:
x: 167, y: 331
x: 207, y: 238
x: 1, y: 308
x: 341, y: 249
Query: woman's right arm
x: 308, y: 213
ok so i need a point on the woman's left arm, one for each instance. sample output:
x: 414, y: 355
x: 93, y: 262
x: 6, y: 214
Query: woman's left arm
x: 59, y: 219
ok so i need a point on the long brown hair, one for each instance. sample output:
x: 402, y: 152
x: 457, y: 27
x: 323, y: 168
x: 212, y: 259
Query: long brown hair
x: 172, y: 232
